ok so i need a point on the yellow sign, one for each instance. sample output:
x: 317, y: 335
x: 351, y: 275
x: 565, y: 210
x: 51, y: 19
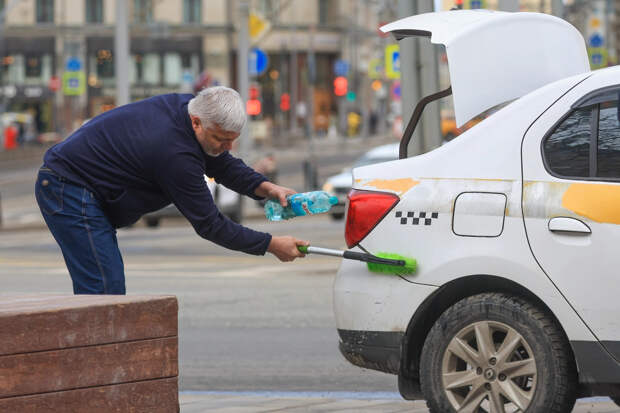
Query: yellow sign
x: 392, y: 61
x: 598, y: 57
x: 374, y: 68
x: 257, y: 26
x: 74, y: 83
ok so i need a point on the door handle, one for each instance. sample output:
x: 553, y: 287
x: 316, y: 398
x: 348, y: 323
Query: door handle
x: 567, y: 224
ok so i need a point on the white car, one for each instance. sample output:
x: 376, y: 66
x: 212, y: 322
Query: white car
x: 515, y: 226
x: 226, y: 200
x: 339, y: 185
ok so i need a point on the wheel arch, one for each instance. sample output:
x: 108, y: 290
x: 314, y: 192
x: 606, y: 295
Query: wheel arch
x: 432, y: 308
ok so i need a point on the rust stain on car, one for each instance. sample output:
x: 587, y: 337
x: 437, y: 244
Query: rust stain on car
x: 400, y: 186
x: 599, y: 202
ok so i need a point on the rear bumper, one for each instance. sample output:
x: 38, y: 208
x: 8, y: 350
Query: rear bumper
x: 376, y: 350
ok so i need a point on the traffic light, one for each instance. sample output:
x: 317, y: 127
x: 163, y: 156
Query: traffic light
x: 253, y: 92
x: 340, y: 86
x: 253, y: 107
x: 285, y: 102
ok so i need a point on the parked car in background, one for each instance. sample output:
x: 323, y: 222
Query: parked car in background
x: 340, y: 185
x: 226, y: 200
x: 514, y: 225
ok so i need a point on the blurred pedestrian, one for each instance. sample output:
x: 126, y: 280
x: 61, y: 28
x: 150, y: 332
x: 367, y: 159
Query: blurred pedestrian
x: 139, y: 158
x: 10, y: 137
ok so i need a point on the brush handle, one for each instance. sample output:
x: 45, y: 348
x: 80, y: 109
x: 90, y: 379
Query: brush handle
x: 350, y: 255
x: 320, y: 251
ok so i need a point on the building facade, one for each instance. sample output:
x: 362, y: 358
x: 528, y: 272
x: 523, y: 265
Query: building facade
x: 58, y: 55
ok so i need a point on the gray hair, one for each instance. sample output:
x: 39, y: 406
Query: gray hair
x: 221, y: 106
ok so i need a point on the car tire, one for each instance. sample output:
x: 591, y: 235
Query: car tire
x: 616, y: 400
x: 337, y: 216
x: 493, y: 350
x: 152, y: 222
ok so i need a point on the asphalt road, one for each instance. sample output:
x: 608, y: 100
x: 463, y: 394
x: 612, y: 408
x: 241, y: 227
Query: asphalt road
x: 245, y: 322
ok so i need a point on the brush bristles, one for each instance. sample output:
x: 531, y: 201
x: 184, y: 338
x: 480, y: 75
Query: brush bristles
x: 409, y: 267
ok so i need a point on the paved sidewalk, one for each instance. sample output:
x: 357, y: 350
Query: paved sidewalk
x: 298, y: 402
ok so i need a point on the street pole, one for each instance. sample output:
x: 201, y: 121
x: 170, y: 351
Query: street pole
x: 294, y: 85
x: 243, y: 79
x: 557, y: 8
x: 509, y: 5
x: 121, y: 51
x: 429, y: 84
x: 409, y: 83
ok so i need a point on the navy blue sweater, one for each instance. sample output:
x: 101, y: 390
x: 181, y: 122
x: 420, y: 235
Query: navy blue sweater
x: 141, y: 157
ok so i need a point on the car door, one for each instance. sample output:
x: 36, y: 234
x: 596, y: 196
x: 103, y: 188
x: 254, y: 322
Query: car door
x: 571, y: 202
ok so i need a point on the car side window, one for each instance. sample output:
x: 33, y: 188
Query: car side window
x: 567, y: 149
x: 608, y: 146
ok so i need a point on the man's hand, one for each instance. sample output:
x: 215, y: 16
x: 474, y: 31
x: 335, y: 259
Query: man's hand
x: 285, y: 248
x: 272, y: 191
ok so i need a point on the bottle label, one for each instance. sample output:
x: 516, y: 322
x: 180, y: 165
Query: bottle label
x: 305, y: 207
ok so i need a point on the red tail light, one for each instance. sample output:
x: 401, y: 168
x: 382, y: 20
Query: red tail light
x: 366, y: 210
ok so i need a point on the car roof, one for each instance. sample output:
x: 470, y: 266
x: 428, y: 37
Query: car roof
x: 495, y: 57
x: 384, y: 151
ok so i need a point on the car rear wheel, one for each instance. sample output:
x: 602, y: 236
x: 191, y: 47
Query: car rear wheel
x: 616, y: 400
x: 496, y: 353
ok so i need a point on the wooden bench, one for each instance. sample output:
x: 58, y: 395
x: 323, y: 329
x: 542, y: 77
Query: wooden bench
x: 88, y: 354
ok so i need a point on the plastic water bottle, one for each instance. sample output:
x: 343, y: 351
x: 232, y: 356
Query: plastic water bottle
x: 305, y: 203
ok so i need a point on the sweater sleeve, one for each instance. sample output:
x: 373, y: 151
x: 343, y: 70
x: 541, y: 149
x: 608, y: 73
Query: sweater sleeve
x: 234, y: 174
x: 182, y: 179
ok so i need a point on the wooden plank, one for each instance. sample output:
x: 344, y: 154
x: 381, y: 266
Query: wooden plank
x: 47, y: 371
x: 48, y: 322
x: 152, y: 396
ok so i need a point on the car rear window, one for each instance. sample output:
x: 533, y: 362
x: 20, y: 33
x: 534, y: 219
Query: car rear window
x: 586, y: 143
x: 567, y: 149
x: 608, y: 147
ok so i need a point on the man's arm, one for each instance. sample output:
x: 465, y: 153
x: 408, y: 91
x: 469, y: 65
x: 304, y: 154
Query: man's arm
x: 233, y: 173
x: 183, y: 181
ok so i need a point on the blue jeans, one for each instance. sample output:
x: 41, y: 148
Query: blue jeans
x: 84, y: 234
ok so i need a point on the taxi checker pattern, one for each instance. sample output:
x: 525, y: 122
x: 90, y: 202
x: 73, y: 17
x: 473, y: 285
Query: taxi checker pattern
x: 423, y: 217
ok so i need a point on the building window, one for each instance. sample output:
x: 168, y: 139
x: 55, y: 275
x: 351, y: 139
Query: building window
x: 192, y: 11
x: 143, y: 11
x: 94, y: 11
x: 45, y: 11
x: 323, y: 11
x: 13, y: 69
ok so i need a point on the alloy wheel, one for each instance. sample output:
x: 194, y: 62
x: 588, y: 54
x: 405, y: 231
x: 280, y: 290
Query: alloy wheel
x: 489, y: 367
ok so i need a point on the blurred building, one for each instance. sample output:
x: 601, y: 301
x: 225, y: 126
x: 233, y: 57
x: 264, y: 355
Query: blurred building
x: 57, y: 56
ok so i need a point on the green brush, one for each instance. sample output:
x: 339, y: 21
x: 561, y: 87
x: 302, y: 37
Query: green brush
x: 385, y: 263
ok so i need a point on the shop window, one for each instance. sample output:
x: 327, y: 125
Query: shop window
x: 173, y: 71
x: 13, y: 69
x: 192, y: 11
x: 94, y: 11
x: 151, y: 73
x: 45, y: 11
x: 33, y: 66
x: 146, y: 69
x: 143, y: 11
x: 103, y: 64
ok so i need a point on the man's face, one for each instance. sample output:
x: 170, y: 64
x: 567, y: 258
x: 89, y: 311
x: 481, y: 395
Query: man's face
x: 213, y: 139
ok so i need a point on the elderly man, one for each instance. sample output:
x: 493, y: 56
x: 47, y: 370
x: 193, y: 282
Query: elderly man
x: 139, y: 158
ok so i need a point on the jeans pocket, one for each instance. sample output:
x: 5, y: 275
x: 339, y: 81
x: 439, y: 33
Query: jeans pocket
x: 49, y: 193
